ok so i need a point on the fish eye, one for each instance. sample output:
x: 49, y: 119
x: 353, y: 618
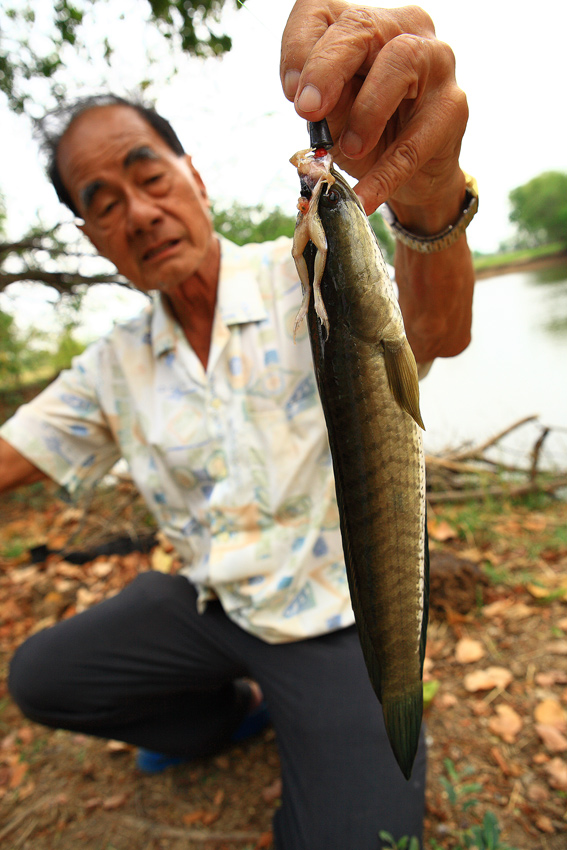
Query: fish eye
x: 330, y: 198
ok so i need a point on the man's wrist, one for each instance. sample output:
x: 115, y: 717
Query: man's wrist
x: 430, y: 217
x: 435, y: 216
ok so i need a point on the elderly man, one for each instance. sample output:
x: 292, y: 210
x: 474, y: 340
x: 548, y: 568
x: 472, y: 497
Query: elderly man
x: 215, y: 410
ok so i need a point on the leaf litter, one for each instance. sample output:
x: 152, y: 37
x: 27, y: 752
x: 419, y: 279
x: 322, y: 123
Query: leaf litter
x: 495, y: 725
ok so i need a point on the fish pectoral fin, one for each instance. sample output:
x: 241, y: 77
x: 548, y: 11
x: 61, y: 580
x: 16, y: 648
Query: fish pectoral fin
x: 401, y: 370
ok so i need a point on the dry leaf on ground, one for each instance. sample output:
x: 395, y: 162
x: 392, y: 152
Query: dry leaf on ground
x: 537, y: 792
x: 553, y: 739
x: 507, y: 724
x: 544, y: 824
x: 550, y: 713
x: 114, y: 802
x: 556, y: 770
x: 550, y: 678
x: 485, y: 680
x: 161, y: 560
x: 440, y: 530
x: 468, y: 650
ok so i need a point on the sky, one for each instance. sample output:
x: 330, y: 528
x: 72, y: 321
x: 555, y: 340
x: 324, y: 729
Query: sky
x: 232, y: 116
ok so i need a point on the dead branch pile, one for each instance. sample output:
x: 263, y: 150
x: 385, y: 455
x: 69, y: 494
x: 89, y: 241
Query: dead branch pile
x: 469, y: 474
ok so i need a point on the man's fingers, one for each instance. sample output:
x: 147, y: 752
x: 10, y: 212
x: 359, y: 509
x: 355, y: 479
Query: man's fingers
x: 387, y: 87
x: 305, y: 26
x: 424, y: 145
x: 399, y: 73
x: 329, y: 43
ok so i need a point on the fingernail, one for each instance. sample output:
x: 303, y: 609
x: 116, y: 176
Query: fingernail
x: 351, y: 143
x: 309, y: 100
x: 291, y: 80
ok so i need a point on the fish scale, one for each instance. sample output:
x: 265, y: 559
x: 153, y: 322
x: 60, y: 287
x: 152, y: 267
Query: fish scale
x: 378, y: 462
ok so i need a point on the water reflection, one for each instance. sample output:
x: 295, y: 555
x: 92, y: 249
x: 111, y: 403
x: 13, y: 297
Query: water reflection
x: 552, y: 282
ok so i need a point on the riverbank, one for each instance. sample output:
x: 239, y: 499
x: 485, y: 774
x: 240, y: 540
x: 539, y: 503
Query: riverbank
x: 518, y: 261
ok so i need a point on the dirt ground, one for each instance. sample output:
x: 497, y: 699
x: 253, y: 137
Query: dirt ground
x: 497, y: 739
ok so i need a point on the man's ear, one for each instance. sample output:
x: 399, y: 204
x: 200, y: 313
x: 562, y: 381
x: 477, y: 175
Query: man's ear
x: 198, y: 179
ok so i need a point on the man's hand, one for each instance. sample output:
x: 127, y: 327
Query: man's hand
x: 387, y: 87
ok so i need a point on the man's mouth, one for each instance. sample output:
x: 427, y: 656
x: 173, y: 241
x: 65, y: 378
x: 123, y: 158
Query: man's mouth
x: 157, y: 250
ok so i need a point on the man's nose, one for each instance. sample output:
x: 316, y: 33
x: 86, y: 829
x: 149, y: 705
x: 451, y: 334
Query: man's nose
x: 143, y: 212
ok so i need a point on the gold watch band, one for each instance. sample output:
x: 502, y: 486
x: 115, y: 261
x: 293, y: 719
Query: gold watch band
x: 447, y: 237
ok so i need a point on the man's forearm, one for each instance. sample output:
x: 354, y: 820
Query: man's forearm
x: 436, y: 289
x: 435, y: 292
x: 15, y: 469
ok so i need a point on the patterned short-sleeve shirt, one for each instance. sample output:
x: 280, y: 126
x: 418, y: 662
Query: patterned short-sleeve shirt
x: 233, y: 461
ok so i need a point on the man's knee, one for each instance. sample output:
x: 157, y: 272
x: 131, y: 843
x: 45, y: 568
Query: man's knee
x: 51, y: 674
x: 33, y: 679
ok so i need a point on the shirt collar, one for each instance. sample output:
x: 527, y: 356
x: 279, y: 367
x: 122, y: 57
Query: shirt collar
x: 239, y: 298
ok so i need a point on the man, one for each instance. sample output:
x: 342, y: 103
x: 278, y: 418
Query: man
x: 216, y: 411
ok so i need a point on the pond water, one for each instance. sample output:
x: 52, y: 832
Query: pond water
x: 515, y: 366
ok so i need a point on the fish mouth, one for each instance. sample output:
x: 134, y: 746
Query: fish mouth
x: 306, y: 186
x: 156, y: 250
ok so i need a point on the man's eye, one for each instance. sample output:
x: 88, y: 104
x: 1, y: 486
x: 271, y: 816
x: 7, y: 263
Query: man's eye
x: 158, y: 183
x: 155, y: 178
x: 105, y: 210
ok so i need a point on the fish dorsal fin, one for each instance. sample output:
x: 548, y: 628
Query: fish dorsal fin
x: 401, y: 370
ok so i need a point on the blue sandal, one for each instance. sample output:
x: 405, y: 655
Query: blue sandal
x: 149, y: 761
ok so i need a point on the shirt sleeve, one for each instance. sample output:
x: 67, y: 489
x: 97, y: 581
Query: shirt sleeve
x: 64, y: 431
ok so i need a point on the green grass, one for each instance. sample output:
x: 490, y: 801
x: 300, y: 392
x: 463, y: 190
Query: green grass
x: 489, y: 261
x: 13, y: 549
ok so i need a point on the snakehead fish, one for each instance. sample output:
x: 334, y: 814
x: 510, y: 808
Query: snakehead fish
x: 367, y: 379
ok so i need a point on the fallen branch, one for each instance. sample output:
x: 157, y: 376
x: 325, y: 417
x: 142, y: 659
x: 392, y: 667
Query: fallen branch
x: 478, y: 451
x: 468, y: 475
x: 479, y: 493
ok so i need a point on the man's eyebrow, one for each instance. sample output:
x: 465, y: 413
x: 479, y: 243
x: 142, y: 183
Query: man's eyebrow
x: 139, y: 155
x: 87, y: 195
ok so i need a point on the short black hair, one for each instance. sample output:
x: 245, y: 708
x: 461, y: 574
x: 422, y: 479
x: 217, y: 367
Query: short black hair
x: 52, y: 127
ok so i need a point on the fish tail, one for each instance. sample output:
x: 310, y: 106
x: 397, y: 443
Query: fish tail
x: 402, y: 716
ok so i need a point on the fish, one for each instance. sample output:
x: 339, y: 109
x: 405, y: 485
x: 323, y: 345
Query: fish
x: 367, y: 380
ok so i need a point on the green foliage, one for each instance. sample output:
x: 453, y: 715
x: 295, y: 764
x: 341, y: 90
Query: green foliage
x: 404, y: 843
x: 186, y: 19
x: 385, y: 238
x: 16, y: 354
x: 2, y: 214
x: 485, y: 836
x: 539, y: 208
x: 243, y: 224
x: 459, y: 791
x: 25, y: 58
x: 25, y: 356
x: 67, y: 348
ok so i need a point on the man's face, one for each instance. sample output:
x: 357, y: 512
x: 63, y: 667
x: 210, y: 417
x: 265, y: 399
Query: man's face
x: 145, y: 208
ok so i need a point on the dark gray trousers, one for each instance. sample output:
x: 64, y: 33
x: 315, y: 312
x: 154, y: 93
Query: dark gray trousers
x: 146, y: 668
